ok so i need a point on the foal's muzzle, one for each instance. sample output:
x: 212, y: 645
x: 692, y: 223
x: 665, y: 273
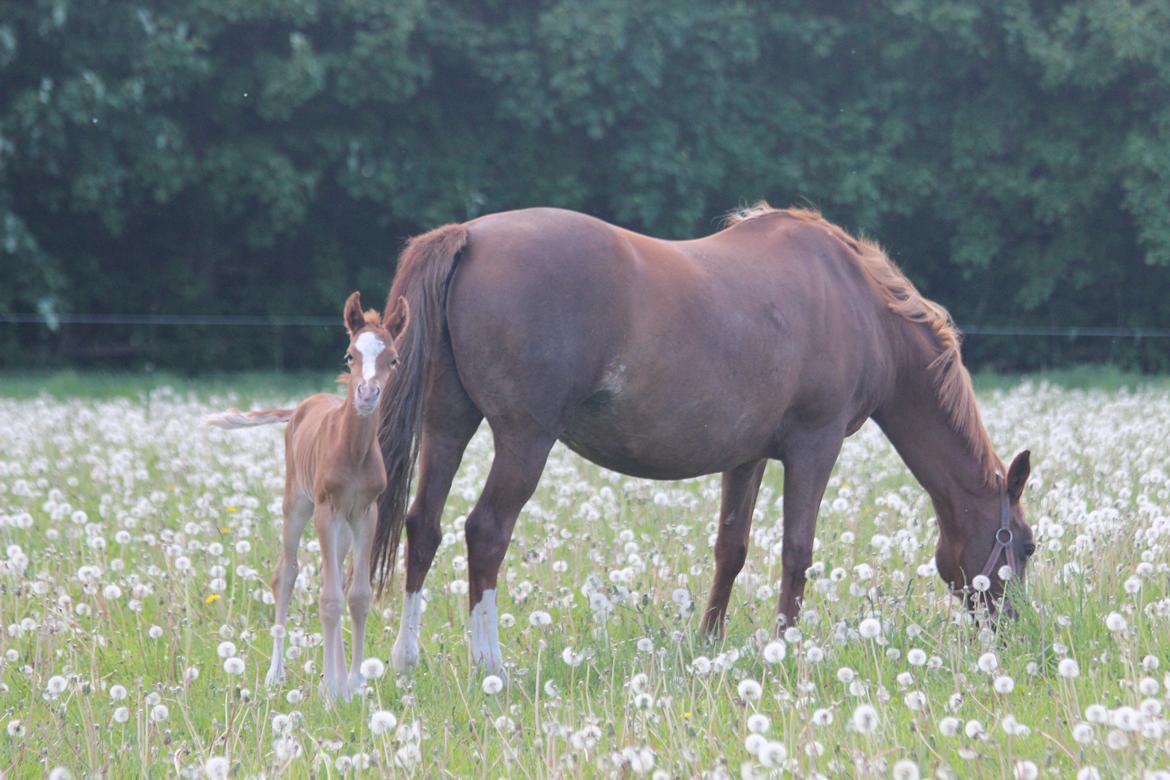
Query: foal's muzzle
x: 366, y: 398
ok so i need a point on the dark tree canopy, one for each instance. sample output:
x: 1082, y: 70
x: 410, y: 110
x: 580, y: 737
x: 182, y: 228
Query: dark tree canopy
x: 266, y: 158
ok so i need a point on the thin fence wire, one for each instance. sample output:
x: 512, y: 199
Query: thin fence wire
x: 258, y: 321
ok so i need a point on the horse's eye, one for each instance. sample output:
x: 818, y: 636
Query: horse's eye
x: 393, y: 362
x: 1029, y: 550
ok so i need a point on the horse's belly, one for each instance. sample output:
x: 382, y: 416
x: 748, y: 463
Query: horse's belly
x: 658, y: 447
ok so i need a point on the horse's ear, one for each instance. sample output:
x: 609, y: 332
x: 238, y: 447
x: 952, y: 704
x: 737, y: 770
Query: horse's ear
x: 1017, y: 475
x: 354, y: 320
x: 398, y: 318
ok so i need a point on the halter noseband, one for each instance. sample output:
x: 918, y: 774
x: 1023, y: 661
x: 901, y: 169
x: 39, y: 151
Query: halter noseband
x: 1003, y: 539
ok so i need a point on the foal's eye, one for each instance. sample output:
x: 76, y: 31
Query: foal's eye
x: 348, y: 360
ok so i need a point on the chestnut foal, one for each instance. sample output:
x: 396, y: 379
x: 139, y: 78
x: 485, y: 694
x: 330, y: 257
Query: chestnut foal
x: 334, y: 474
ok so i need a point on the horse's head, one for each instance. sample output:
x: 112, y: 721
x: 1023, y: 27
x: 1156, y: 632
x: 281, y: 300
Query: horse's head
x: 988, y: 539
x: 373, y: 351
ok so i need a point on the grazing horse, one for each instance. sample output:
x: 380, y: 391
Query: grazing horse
x: 774, y: 338
x: 333, y: 474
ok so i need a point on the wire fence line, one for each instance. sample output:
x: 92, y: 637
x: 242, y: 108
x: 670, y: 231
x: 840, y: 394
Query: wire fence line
x: 260, y: 321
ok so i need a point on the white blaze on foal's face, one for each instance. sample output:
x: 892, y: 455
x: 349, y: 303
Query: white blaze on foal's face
x: 370, y: 346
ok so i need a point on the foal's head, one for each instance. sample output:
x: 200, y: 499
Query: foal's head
x: 989, y: 534
x: 373, y: 351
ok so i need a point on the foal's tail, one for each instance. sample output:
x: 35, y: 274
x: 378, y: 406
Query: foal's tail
x: 234, y: 418
x: 424, y: 273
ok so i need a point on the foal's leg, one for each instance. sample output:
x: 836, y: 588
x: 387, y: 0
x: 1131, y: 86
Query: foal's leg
x: 740, y: 488
x: 808, y: 462
x: 297, y: 512
x: 329, y: 533
x: 515, y: 472
x: 360, y: 592
x: 440, y: 451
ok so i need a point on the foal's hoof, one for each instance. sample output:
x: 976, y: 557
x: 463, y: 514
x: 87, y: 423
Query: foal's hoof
x: 355, y: 682
x: 331, y: 695
x: 274, y: 678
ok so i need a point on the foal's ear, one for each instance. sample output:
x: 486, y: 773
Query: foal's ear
x: 354, y: 321
x: 397, y: 318
x: 1018, y: 475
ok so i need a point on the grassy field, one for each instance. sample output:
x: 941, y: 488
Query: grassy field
x: 136, y: 550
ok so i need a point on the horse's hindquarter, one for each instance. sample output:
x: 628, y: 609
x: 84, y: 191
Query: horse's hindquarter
x: 654, y: 358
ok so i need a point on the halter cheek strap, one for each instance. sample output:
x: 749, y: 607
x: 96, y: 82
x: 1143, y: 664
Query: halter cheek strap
x: 1003, y: 540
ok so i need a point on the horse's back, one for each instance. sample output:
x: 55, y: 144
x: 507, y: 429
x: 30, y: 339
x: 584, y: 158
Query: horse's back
x: 655, y: 357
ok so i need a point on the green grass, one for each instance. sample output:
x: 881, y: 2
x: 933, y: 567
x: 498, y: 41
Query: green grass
x: 155, y: 490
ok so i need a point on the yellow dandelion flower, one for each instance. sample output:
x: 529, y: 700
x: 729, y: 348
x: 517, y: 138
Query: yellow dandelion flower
x: 214, y: 597
x: 233, y: 509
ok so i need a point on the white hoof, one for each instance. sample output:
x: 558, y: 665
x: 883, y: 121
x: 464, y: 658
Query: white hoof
x: 404, y: 656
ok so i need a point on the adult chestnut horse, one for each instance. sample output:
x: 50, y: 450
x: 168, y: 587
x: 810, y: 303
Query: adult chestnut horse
x: 774, y: 338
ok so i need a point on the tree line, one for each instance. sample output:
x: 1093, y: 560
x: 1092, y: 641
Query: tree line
x: 234, y: 157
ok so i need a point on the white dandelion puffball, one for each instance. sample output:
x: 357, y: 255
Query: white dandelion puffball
x: 234, y: 665
x: 906, y: 770
x: 758, y: 723
x: 226, y: 649
x: 121, y: 714
x: 1004, y: 684
x: 750, y: 690
x: 382, y: 722
x: 217, y: 768
x: 869, y: 628
x: 981, y: 583
x: 117, y: 692
x: 492, y: 685
x: 539, y: 618
x: 1115, y: 622
x: 159, y: 713
x: 865, y: 719
x: 1068, y: 668
x: 373, y: 669
x: 774, y: 652
x: 56, y: 685
x: 949, y: 726
x: 988, y: 663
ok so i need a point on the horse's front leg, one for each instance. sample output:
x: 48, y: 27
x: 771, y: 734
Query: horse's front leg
x: 360, y: 592
x: 808, y: 461
x: 333, y: 536
x: 297, y: 511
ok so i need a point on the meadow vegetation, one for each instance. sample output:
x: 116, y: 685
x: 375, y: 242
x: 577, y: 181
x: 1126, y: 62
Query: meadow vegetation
x: 135, y: 612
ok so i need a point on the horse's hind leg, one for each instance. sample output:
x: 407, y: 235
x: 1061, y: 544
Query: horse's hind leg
x: 297, y: 511
x: 808, y: 462
x: 449, y: 423
x: 515, y: 472
x: 740, y: 488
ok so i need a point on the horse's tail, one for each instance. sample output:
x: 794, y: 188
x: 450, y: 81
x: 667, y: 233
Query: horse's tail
x: 234, y: 418
x: 424, y: 273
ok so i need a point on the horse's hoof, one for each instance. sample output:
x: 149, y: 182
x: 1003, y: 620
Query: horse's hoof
x: 403, y: 658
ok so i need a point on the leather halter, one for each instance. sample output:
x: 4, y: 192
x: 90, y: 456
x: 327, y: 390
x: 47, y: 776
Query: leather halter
x: 1003, y: 540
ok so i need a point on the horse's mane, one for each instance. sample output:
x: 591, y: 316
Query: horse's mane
x: 951, y: 380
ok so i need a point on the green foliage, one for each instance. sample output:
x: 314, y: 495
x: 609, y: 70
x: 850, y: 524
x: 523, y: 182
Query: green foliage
x: 233, y: 156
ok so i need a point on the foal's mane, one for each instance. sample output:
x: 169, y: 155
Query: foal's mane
x: 951, y: 380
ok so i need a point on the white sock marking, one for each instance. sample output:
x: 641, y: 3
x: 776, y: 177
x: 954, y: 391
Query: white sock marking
x: 485, y: 633
x: 405, y: 652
